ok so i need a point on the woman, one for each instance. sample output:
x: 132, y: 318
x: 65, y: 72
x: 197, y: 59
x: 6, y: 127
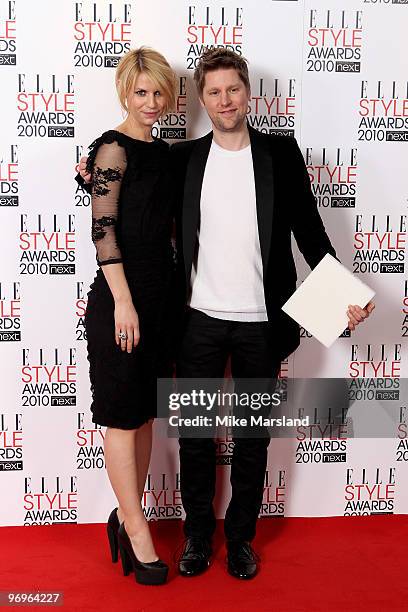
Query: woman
x: 128, y: 307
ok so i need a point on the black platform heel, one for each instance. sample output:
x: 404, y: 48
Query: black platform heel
x: 112, y: 528
x: 153, y: 573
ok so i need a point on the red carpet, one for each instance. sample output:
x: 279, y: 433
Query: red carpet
x: 309, y: 564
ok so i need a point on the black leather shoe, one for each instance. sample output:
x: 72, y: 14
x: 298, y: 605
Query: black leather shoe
x: 242, y: 561
x: 195, y: 557
x: 112, y: 528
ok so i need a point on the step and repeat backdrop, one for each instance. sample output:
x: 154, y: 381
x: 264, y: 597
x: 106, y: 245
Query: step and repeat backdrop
x: 333, y: 74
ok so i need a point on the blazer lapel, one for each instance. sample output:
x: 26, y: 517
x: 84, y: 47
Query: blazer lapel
x: 191, y: 199
x: 264, y: 190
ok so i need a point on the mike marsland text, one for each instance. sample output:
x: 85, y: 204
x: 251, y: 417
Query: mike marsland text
x: 234, y: 421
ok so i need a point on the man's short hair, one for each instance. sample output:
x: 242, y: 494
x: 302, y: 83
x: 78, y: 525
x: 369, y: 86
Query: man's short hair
x: 214, y: 59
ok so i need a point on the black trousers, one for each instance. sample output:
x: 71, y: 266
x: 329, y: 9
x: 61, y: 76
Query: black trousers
x: 206, y: 345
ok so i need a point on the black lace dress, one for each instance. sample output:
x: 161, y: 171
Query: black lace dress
x: 132, y: 224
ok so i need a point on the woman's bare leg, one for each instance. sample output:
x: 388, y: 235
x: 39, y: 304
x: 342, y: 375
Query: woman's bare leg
x: 143, y: 454
x: 121, y: 457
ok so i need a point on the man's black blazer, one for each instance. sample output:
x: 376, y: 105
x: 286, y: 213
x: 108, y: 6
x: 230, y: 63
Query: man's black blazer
x: 285, y: 204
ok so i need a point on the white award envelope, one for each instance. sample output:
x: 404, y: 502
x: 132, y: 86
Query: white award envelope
x: 320, y: 303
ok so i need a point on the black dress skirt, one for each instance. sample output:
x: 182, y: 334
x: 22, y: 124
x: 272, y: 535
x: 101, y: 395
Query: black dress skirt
x: 132, y: 212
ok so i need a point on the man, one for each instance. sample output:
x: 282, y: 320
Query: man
x: 242, y: 194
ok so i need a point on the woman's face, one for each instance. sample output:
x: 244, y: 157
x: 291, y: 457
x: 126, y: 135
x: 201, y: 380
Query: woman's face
x: 145, y: 102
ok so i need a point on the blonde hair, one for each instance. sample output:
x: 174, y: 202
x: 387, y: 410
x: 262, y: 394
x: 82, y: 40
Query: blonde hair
x: 155, y: 66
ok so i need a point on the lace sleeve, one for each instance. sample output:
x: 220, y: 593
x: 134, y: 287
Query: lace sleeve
x: 109, y: 165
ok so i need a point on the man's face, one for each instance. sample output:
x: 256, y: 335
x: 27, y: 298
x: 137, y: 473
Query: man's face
x: 225, y: 98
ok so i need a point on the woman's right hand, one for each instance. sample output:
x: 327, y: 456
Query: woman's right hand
x: 126, y: 321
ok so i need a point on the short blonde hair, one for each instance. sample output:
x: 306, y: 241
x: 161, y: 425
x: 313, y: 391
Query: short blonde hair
x: 154, y: 65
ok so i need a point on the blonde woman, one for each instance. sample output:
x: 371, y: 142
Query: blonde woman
x: 127, y: 314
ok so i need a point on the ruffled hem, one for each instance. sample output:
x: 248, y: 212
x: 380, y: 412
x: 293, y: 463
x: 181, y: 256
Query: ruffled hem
x: 121, y: 397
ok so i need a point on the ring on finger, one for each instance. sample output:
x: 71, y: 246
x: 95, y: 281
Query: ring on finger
x: 122, y: 335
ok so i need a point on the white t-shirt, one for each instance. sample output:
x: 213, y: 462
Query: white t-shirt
x: 227, y: 278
